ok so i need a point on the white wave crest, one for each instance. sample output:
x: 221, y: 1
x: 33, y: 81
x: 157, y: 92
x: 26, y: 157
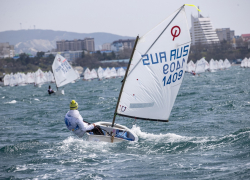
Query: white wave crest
x: 37, y: 99
x: 11, y: 102
x: 169, y: 137
x: 83, y: 146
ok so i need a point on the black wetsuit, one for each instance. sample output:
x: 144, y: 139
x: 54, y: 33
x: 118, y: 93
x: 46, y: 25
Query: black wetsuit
x: 50, y: 91
x: 97, y: 129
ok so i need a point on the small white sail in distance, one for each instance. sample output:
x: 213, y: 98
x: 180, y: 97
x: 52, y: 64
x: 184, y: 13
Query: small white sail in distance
x: 63, y: 71
x: 100, y: 72
x: 156, y: 71
x: 87, y: 74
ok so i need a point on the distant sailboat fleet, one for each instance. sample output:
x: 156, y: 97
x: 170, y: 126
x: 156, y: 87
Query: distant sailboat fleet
x: 245, y: 63
x: 202, y: 65
x: 103, y: 74
x: 39, y: 77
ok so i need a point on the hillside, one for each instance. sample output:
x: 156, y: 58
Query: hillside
x: 31, y: 41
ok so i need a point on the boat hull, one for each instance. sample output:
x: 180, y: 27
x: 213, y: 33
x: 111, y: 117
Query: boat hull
x: 118, y: 133
x: 59, y: 92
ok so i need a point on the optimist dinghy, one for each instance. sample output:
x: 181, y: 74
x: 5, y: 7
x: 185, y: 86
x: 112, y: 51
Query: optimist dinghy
x: 152, y: 79
x: 63, y: 72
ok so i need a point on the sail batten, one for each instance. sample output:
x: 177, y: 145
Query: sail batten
x: 154, y: 77
x: 147, y: 119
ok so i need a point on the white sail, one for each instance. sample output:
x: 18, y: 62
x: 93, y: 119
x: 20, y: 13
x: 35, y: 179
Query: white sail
x: 39, y: 77
x: 248, y: 62
x: 107, y: 73
x: 33, y: 77
x: 200, y: 66
x: 63, y: 71
x: 100, y: 72
x: 78, y: 75
x: 242, y: 63
x: 6, y: 80
x: 87, y: 74
x: 191, y: 66
x: 12, y: 80
x: 226, y: 63
x: 245, y: 62
x: 16, y: 79
x: 113, y: 73
x: 217, y: 64
x: 206, y: 63
x: 212, y: 65
x: 47, y: 75
x: 26, y: 78
x: 30, y: 78
x: 51, y: 77
x: 120, y: 72
x: 93, y: 74
x: 157, y: 69
x: 220, y: 64
x: 21, y: 78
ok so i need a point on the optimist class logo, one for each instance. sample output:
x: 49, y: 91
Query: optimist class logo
x: 175, y: 31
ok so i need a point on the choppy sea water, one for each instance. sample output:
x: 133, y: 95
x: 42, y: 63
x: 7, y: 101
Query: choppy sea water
x: 207, y: 136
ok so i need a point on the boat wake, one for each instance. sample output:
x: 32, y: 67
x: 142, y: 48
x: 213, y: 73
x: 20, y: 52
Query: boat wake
x: 171, y: 137
x: 170, y: 142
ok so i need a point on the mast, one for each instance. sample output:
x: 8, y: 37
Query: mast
x: 124, y: 80
x: 54, y: 77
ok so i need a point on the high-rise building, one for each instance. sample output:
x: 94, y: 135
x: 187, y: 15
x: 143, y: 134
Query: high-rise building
x: 225, y: 34
x: 202, y: 31
x: 76, y: 45
x: 89, y: 44
x: 6, y: 50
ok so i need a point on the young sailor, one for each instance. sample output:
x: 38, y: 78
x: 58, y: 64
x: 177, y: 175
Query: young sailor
x: 75, y: 123
x: 50, y: 90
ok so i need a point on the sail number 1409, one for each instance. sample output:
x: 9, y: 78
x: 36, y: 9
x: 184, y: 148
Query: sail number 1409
x: 176, y: 76
x: 174, y: 66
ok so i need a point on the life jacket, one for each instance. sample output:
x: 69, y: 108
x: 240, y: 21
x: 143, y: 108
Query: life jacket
x: 71, y: 122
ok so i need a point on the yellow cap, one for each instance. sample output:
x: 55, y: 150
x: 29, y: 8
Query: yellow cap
x: 73, y: 105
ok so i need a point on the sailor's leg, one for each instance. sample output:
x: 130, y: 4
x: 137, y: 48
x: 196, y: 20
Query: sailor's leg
x: 97, y: 130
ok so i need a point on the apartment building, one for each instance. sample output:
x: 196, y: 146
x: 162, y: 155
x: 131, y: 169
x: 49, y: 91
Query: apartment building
x: 202, y: 31
x: 225, y: 34
x: 122, y: 44
x: 106, y: 46
x: 76, y: 45
x: 6, y: 50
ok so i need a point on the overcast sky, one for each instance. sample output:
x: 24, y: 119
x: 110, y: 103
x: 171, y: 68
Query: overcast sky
x: 122, y: 17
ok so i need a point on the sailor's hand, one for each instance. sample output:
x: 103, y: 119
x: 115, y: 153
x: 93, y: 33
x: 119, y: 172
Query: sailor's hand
x: 93, y: 124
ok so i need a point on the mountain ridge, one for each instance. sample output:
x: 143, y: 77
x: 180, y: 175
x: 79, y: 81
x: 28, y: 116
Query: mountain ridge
x: 33, y: 40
